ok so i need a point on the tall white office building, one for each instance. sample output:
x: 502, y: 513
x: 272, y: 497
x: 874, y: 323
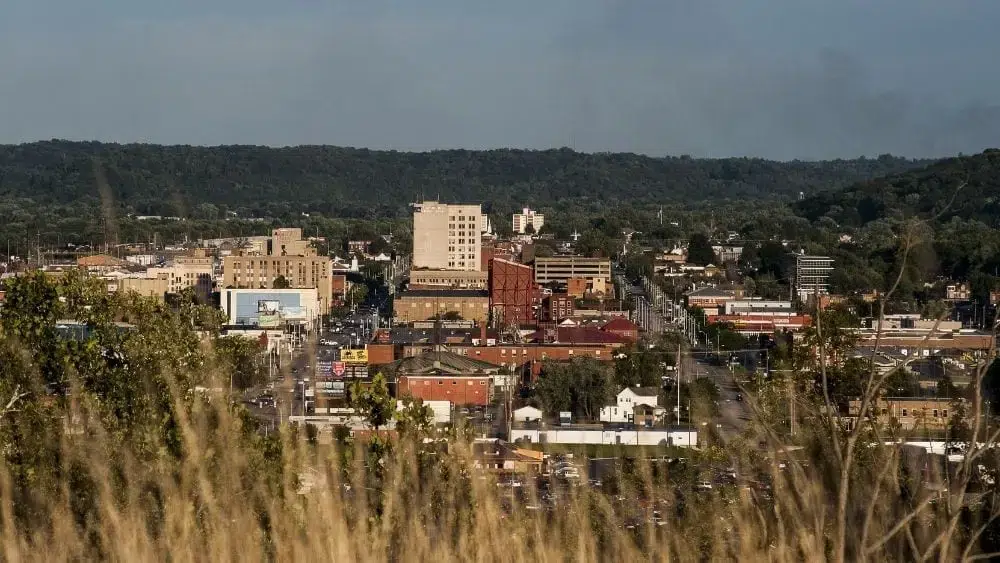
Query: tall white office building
x: 811, y: 275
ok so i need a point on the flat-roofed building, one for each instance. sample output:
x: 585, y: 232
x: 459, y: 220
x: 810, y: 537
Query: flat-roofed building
x: 269, y: 308
x: 155, y: 287
x: 811, y: 275
x: 259, y: 272
x: 421, y: 305
x: 527, y: 217
x: 448, y: 279
x: 560, y: 269
x: 194, y: 271
x: 288, y: 241
x: 447, y: 237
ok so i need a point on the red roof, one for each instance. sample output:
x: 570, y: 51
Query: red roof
x: 581, y: 335
x: 620, y: 324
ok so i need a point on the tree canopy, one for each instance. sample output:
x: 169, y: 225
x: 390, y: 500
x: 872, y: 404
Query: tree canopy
x: 45, y: 186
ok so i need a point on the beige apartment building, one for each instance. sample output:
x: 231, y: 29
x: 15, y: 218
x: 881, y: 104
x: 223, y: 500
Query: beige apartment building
x: 188, y: 271
x: 194, y: 271
x: 155, y: 287
x: 289, y: 242
x: 255, y: 272
x: 520, y: 221
x: 447, y: 237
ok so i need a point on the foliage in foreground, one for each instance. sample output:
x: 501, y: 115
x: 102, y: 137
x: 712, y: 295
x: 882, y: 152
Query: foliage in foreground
x: 109, y: 454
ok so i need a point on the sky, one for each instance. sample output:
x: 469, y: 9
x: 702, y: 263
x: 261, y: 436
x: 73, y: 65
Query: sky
x: 781, y: 79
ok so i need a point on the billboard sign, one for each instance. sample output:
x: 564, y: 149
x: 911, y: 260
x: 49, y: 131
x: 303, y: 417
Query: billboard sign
x: 330, y: 387
x: 354, y: 356
x: 268, y: 306
x: 339, y: 368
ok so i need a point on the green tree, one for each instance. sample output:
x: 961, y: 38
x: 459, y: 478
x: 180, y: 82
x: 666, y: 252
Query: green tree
x: 582, y: 386
x: 373, y: 401
x: 991, y: 383
x: 902, y: 383
x: 357, y: 294
x: 379, y: 246
x: 775, y: 260
x: 243, y: 359
x: 700, y: 250
x: 641, y: 368
x: 553, y: 388
x: 280, y: 282
x: 414, y: 418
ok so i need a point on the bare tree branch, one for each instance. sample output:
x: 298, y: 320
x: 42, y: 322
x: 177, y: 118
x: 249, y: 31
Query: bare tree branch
x: 16, y: 396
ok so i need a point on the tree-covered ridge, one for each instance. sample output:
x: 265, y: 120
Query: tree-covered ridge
x: 174, y: 180
x: 967, y: 187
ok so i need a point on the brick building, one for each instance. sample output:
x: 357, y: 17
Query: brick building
x: 524, y: 359
x: 623, y: 328
x: 338, y: 288
x: 448, y: 279
x: 576, y: 287
x: 709, y: 298
x: 557, y: 307
x: 446, y: 376
x: 421, y: 305
x: 911, y: 413
x: 512, y: 293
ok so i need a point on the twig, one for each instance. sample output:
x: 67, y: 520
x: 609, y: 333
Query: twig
x: 14, y: 398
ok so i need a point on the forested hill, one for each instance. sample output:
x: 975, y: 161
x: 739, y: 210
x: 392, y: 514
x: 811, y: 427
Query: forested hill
x: 966, y: 187
x: 173, y: 180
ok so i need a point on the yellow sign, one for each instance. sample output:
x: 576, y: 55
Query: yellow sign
x: 268, y: 321
x: 354, y: 356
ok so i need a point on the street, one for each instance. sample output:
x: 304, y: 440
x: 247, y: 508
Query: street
x: 734, y: 413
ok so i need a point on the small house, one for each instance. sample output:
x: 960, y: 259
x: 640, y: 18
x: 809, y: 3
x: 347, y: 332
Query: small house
x: 626, y: 402
x: 527, y: 414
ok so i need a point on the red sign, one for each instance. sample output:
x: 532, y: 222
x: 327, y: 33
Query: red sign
x: 339, y: 368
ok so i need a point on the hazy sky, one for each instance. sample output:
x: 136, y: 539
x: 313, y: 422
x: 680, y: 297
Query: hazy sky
x: 774, y: 78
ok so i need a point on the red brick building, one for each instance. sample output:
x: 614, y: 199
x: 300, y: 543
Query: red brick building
x: 338, y: 288
x: 512, y: 293
x: 558, y: 306
x: 524, y: 359
x: 576, y: 287
x: 622, y: 327
x: 446, y: 376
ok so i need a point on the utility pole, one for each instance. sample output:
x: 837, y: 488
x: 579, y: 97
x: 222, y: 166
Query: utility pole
x: 791, y: 405
x: 677, y: 382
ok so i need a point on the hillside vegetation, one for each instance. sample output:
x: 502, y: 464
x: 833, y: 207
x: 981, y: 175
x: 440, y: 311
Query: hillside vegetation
x: 348, y: 182
x: 948, y: 215
x: 967, y: 187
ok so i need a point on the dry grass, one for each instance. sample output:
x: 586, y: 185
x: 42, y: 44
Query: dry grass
x: 236, y: 495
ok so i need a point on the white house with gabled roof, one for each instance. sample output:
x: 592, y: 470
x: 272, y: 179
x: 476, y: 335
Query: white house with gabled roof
x: 628, y: 399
